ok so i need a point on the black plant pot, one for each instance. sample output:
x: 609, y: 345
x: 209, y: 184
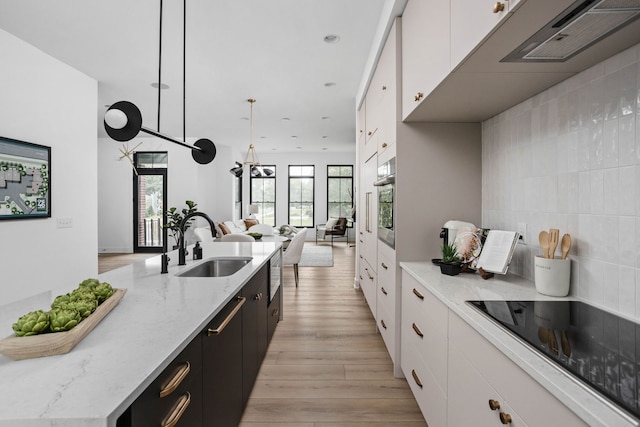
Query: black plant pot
x: 450, y: 269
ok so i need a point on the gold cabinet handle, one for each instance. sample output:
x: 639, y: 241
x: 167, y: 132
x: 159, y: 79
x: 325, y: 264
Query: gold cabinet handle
x: 258, y: 296
x: 384, y: 325
x: 384, y: 265
x: 383, y: 290
x: 225, y: 322
x: 416, y: 378
x: 417, y: 330
x: 418, y: 96
x: 176, y: 412
x: 172, y: 383
x: 370, y: 276
x: 384, y: 87
x: 505, y: 418
x: 369, y: 133
x: 494, y: 405
x: 418, y: 294
x: 384, y: 145
x: 275, y: 313
x: 498, y: 7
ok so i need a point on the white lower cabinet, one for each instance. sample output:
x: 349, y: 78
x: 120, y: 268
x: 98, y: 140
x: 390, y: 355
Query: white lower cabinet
x: 479, y: 372
x: 368, y: 284
x: 459, y: 378
x: 424, y: 349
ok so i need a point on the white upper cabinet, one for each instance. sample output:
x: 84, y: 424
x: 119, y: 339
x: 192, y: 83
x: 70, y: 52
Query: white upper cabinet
x: 472, y: 21
x: 425, y: 50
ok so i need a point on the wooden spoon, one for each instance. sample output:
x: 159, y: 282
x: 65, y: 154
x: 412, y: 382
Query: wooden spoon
x: 565, y: 245
x: 554, y: 236
x: 543, y: 238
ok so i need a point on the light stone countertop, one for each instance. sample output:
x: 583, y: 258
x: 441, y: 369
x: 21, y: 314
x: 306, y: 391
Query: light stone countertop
x: 94, y: 383
x: 454, y: 291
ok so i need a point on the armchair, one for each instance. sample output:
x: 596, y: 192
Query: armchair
x: 335, y: 228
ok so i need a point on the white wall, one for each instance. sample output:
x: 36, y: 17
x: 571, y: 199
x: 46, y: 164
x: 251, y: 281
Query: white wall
x: 46, y: 102
x: 569, y: 158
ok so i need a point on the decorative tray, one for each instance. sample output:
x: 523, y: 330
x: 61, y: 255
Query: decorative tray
x: 49, y: 344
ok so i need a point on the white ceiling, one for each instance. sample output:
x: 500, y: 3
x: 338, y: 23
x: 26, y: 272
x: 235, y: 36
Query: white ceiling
x: 270, y: 50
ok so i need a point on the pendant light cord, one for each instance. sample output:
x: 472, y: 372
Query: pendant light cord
x: 159, y: 66
x: 184, y: 70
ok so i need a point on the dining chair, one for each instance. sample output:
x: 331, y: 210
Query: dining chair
x: 294, y: 252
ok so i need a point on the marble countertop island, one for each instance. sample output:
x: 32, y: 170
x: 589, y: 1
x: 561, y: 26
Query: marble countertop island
x: 92, y: 385
x: 454, y: 291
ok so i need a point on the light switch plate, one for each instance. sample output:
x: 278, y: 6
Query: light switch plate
x: 65, y: 222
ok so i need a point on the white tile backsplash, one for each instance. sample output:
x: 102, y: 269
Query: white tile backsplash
x: 569, y: 158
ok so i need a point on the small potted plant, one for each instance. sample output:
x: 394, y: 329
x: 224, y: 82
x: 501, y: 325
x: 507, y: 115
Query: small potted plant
x: 450, y: 264
x: 175, y: 217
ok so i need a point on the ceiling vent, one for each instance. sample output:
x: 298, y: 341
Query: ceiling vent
x: 578, y: 27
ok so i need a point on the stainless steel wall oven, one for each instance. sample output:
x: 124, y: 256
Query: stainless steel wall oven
x: 386, y: 184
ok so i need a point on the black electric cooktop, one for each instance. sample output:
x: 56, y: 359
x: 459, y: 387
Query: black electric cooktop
x: 600, y: 349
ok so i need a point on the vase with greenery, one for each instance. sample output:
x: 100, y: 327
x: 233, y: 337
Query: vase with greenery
x: 175, y: 217
x: 450, y: 264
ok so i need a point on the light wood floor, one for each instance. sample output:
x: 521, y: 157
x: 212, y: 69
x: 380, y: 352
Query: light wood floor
x: 326, y: 365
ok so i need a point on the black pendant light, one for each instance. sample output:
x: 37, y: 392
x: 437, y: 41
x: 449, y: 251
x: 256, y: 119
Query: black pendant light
x: 123, y: 120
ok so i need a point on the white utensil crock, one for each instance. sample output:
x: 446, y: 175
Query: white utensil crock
x: 552, y: 276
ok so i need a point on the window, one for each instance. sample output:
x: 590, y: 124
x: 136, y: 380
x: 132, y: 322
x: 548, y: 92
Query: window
x: 149, y: 200
x: 237, y: 207
x: 263, y: 194
x: 339, y: 191
x: 301, y: 196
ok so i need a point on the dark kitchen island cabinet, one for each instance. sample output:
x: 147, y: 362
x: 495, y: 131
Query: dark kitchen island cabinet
x: 221, y: 365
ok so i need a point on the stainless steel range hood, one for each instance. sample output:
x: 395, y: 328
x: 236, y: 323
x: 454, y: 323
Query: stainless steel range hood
x: 581, y: 25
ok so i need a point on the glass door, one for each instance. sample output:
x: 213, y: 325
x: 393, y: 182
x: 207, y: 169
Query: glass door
x: 150, y: 199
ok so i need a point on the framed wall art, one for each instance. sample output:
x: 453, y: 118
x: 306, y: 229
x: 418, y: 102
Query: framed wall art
x: 25, y: 180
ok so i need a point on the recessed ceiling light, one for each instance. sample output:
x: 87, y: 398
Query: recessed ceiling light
x: 263, y: 137
x: 324, y: 148
x: 162, y: 86
x: 324, y: 136
x: 331, y: 38
x: 325, y: 118
x: 244, y: 118
x: 285, y: 119
x: 299, y: 148
x: 294, y: 136
x: 329, y: 84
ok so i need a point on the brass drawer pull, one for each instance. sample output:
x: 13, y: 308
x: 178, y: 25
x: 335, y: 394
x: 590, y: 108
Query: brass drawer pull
x: 370, y: 276
x: 384, y: 325
x: 225, y: 322
x: 172, y: 383
x: 383, y: 290
x: 258, y: 296
x: 498, y: 7
x: 417, y: 330
x: 417, y: 293
x: 505, y: 418
x: 384, y: 265
x: 384, y: 145
x: 275, y: 313
x: 384, y: 87
x: 494, y: 405
x: 418, y: 96
x: 176, y: 412
x: 416, y: 378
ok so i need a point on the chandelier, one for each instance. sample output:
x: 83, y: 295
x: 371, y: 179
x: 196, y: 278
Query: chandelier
x: 251, y: 158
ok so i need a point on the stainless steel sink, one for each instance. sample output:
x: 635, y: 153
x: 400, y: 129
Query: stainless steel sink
x: 216, y: 267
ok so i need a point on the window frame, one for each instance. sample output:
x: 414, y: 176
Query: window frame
x: 313, y: 190
x: 340, y: 177
x: 275, y: 195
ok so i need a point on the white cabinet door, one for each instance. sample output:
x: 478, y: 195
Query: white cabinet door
x: 471, y: 21
x: 425, y: 50
x: 472, y: 401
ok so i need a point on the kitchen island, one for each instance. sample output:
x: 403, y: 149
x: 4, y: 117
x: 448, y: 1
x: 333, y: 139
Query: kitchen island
x: 160, y: 314
x: 472, y: 350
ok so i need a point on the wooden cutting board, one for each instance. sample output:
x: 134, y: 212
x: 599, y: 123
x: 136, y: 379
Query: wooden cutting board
x: 49, y: 344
